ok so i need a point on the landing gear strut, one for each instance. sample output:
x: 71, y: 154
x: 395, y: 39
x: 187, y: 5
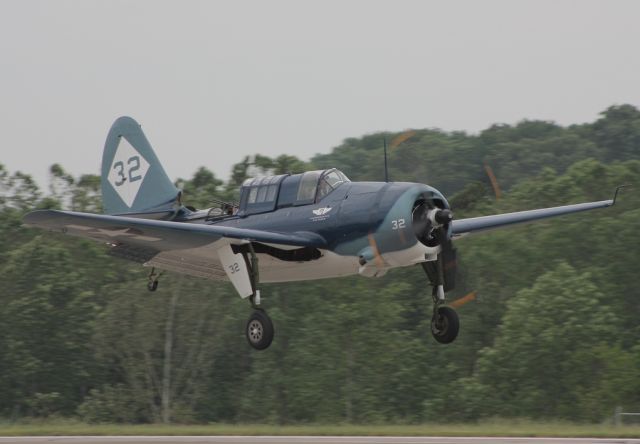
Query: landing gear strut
x: 259, y: 330
x: 444, y: 322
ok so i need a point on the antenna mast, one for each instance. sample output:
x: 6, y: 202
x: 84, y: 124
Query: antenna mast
x: 386, y: 170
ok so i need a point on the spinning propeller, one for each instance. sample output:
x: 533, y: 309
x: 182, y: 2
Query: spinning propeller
x: 431, y: 225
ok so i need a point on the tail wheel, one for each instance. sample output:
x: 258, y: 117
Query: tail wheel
x: 259, y: 330
x: 445, y: 325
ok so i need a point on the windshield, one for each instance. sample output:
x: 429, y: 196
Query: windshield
x: 308, y: 186
x: 330, y: 181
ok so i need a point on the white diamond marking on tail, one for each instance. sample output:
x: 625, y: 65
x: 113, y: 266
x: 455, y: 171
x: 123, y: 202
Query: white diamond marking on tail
x: 127, y: 172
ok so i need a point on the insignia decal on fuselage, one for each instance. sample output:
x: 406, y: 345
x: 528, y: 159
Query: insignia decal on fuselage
x: 127, y: 171
x: 321, y: 211
x: 320, y: 214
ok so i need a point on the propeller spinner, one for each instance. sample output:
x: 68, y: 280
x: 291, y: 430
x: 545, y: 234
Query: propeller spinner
x: 431, y: 223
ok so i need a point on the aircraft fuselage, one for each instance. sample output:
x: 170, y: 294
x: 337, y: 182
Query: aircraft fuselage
x: 367, y: 227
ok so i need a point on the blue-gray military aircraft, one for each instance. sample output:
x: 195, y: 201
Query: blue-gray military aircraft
x: 288, y: 227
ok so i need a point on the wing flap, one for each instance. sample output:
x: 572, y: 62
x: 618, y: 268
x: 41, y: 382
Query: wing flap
x: 192, y: 262
x: 483, y: 223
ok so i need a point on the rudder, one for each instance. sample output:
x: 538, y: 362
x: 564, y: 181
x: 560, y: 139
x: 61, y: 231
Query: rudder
x: 133, y: 180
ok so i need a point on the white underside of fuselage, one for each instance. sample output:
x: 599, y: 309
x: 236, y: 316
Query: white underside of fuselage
x: 329, y: 265
x: 203, y: 262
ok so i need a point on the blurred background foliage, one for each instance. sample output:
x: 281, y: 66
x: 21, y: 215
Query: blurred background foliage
x: 553, y: 333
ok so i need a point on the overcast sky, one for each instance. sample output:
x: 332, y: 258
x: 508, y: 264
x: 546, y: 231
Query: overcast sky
x: 213, y: 81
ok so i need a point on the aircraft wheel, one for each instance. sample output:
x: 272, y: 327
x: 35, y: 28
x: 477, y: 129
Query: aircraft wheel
x: 259, y: 330
x: 152, y: 285
x: 445, y: 325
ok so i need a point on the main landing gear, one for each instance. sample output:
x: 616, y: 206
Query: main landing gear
x: 259, y: 330
x: 444, y: 324
x: 444, y: 321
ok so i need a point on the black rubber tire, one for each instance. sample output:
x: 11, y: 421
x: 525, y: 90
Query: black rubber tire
x: 152, y: 285
x: 445, y: 325
x: 259, y: 330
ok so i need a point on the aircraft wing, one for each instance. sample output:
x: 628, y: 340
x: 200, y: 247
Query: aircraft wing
x: 158, y: 234
x: 191, y: 248
x: 475, y: 224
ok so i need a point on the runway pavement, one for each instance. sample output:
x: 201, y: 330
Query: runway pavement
x: 303, y: 440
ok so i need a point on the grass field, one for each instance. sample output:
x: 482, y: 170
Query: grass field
x: 492, y: 428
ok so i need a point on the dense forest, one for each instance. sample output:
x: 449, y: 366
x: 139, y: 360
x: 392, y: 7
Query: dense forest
x: 552, y: 333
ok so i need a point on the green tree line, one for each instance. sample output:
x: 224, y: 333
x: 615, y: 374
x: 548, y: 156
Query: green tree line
x: 553, y: 332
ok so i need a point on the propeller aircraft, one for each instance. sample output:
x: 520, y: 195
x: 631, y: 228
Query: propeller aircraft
x: 288, y: 227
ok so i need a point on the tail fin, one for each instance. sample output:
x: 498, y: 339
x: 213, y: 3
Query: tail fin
x: 133, y: 181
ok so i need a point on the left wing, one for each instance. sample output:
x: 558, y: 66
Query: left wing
x: 483, y: 223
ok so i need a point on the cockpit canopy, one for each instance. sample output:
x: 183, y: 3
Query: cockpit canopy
x: 264, y: 194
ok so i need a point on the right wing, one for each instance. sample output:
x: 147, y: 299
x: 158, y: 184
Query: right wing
x: 188, y: 248
x: 165, y: 235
